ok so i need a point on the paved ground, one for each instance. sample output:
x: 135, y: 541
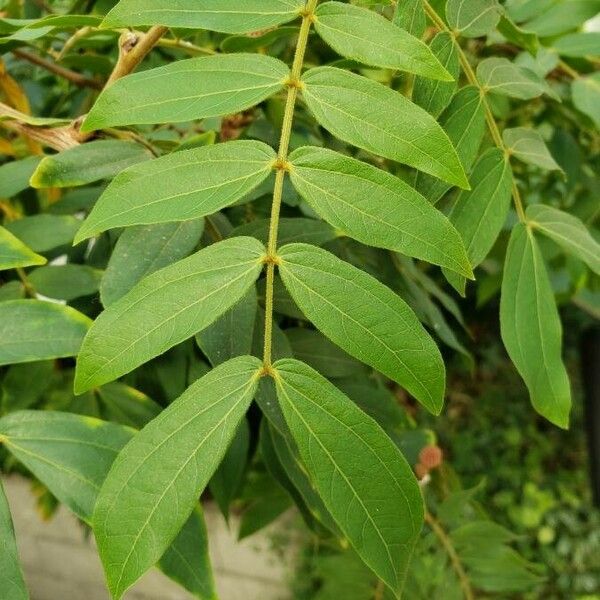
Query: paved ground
x: 61, y: 564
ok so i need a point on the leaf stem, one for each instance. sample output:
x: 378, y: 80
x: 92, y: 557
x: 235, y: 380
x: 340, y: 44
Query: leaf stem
x: 294, y: 84
x: 446, y: 542
x: 489, y: 116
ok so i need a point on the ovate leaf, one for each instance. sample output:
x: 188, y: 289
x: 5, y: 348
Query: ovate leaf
x: 188, y: 89
x: 14, y: 253
x: 86, y: 163
x: 167, y: 308
x: 479, y: 214
x: 226, y: 16
x: 504, y: 77
x: 375, y: 207
x: 65, y: 282
x: 342, y: 448
x: 12, y: 584
x: 473, y: 18
x: 376, y: 118
x: 33, y: 330
x: 528, y: 145
x: 434, y: 96
x: 366, y: 319
x: 367, y: 37
x: 531, y: 328
x: 72, y: 454
x: 181, y: 186
x: 567, y: 231
x: 143, y: 250
x: 154, y: 485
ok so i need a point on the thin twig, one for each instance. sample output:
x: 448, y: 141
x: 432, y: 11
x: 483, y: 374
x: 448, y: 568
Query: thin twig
x: 446, y: 542
x: 76, y: 78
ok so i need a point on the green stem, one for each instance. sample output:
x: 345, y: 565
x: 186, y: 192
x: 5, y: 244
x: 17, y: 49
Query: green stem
x: 489, y: 117
x: 294, y: 84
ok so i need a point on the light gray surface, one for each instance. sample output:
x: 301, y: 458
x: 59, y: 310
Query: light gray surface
x: 60, y: 563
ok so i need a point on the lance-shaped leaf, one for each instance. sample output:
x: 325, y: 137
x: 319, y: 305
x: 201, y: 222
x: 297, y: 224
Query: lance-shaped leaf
x: 504, y: 77
x: 33, y: 330
x: 479, y: 214
x: 12, y: 584
x: 15, y: 175
x: 72, y: 454
x: 528, y: 145
x: 167, y: 308
x: 376, y: 208
x: 342, y: 448
x: 143, y: 250
x: 86, y: 163
x: 464, y: 122
x: 409, y: 15
x: 189, y: 89
x: 531, y: 328
x: 431, y: 95
x: 567, y: 231
x: 181, y: 186
x: 365, y: 318
x: 154, y: 484
x: 473, y: 18
x: 14, y: 253
x: 226, y: 16
x: 586, y: 96
x: 367, y: 37
x: 376, y: 118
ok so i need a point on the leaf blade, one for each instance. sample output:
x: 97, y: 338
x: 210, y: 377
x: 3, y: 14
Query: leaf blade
x: 14, y: 253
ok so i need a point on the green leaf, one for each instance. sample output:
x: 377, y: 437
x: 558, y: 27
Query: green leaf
x: 231, y: 334
x: 366, y: 319
x: 72, y: 454
x: 369, y: 115
x: 33, y: 330
x: 521, y: 37
x: 24, y: 384
x: 155, y: 482
x: 341, y: 448
x: 297, y: 229
x: 188, y: 89
x: 314, y: 349
x: 473, y: 18
x: 504, y: 77
x: 563, y: 17
x: 167, y: 308
x: 227, y: 480
x: 15, y: 175
x: 464, y: 122
x: 126, y: 405
x: 226, y: 16
x: 567, y: 231
x: 531, y: 328
x: 12, y: 583
x: 143, y: 250
x: 579, y: 45
x: 375, y: 207
x: 528, y: 145
x: 45, y: 232
x: 365, y: 36
x: 65, y: 282
x: 586, y: 96
x: 14, y: 253
x: 409, y: 15
x: 434, y: 96
x: 181, y: 186
x: 479, y: 215
x: 86, y: 163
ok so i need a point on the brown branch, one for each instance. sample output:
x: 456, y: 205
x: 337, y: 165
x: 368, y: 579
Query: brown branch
x: 57, y: 138
x: 76, y: 78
